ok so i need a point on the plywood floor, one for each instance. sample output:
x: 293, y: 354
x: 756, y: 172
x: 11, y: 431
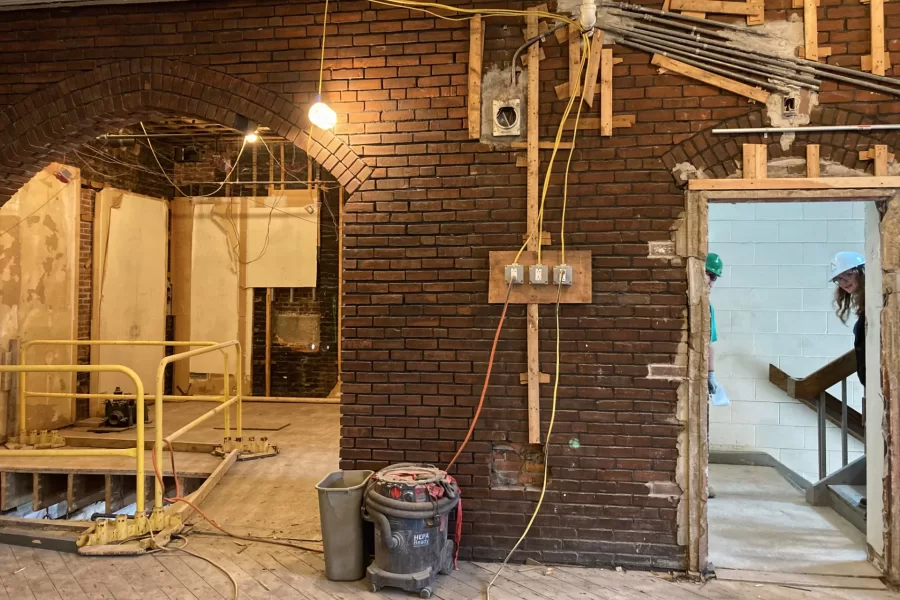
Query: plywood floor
x: 278, y: 496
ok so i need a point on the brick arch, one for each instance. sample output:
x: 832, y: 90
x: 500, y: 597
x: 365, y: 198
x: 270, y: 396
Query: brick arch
x: 720, y: 155
x: 59, y: 118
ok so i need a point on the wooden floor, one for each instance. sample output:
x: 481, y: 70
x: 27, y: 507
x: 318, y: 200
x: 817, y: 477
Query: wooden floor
x: 277, y: 496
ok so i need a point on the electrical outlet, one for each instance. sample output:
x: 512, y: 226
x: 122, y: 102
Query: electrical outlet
x: 514, y: 274
x: 538, y: 275
x: 562, y: 275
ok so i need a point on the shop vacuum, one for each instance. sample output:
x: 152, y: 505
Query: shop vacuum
x: 409, y: 505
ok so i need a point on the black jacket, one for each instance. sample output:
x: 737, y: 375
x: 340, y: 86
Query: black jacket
x: 859, y: 345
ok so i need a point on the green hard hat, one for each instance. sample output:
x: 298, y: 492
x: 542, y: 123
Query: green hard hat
x: 714, y: 264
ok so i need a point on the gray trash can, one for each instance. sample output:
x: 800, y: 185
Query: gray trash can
x: 340, y: 504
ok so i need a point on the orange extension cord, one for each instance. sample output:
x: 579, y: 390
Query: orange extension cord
x: 487, y: 379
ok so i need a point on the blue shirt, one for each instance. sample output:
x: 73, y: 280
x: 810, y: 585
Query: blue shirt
x: 712, y: 324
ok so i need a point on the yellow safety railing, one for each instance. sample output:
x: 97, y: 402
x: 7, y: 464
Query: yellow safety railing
x: 24, y: 394
x: 225, y: 406
x: 137, y: 452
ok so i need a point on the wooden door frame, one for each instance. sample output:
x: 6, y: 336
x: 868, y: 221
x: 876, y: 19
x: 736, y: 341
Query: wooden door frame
x: 691, y: 244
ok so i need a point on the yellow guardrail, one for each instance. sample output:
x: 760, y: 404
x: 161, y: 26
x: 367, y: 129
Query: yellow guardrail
x: 137, y: 452
x: 225, y: 406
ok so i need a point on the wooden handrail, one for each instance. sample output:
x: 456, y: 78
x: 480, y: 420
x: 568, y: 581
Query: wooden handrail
x: 809, y: 387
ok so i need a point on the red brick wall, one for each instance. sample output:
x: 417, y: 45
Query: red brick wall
x: 417, y: 326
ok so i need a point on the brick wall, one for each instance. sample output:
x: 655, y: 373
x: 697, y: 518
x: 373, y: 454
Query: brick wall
x: 85, y: 289
x: 417, y: 325
x: 774, y: 305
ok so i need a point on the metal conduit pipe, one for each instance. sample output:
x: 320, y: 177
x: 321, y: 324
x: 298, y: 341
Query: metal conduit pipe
x: 725, y: 73
x: 785, y: 77
x: 636, y: 8
x: 668, y: 22
x: 708, y: 45
x: 530, y: 42
x: 812, y: 129
x: 861, y: 83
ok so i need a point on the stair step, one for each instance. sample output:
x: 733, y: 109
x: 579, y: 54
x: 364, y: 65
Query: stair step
x: 854, y: 495
x: 849, y: 501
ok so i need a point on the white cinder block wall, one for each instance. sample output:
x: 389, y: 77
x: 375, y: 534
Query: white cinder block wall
x: 774, y: 305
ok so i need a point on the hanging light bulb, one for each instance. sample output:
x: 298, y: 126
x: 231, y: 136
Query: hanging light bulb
x: 251, y: 138
x: 321, y: 115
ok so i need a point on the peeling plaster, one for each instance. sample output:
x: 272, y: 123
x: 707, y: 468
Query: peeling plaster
x: 783, y: 39
x: 497, y: 85
x: 685, y: 171
x: 806, y: 102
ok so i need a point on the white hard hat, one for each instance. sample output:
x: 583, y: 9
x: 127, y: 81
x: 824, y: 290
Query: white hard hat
x: 844, y: 261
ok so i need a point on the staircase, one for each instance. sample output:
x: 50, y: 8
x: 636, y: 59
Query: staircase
x: 845, y: 489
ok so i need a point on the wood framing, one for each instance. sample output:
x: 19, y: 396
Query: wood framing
x: 741, y: 89
x: 574, y: 58
x: 577, y: 293
x: 476, y: 53
x: 591, y: 123
x: 606, y: 92
x: 876, y: 59
x: 755, y: 161
x: 715, y: 6
x: 812, y: 160
x: 880, y: 155
x: 534, y: 240
x: 810, y: 30
x: 593, y: 68
x: 796, y: 183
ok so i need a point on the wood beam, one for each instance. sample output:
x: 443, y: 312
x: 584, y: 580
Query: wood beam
x: 876, y: 17
x: 574, y: 58
x: 712, y: 79
x: 878, y: 153
x: 49, y: 489
x: 16, y: 489
x: 534, y: 390
x: 593, y: 68
x: 84, y: 490
x: 715, y: 6
x: 606, y: 92
x: 810, y: 30
x: 590, y: 123
x: 476, y: 54
x: 759, y: 17
x: 796, y: 183
x: 812, y: 160
x: 755, y: 161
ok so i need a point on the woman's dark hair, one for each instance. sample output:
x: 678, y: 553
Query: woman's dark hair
x: 844, y: 302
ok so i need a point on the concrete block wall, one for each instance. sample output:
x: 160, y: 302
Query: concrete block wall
x: 774, y: 306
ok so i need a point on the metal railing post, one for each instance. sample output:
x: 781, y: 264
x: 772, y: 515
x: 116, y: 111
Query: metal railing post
x: 844, y: 422
x: 823, y: 456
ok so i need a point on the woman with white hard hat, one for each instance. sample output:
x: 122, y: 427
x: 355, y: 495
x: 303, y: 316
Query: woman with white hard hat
x: 848, y: 271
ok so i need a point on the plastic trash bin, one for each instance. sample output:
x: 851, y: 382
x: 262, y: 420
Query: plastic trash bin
x: 340, y: 504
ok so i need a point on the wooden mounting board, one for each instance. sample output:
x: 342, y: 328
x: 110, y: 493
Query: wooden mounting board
x: 189, y: 464
x: 577, y: 293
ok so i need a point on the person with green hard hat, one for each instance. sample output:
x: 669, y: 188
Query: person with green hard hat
x: 713, y: 272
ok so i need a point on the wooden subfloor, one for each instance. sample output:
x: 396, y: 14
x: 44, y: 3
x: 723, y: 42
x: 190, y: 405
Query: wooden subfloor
x: 277, y: 496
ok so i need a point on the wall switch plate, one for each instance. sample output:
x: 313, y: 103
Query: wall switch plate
x: 538, y: 275
x: 514, y: 274
x: 562, y: 275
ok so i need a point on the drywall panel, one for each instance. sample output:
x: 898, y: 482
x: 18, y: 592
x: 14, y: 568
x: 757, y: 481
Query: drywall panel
x: 214, y: 280
x: 38, y: 265
x: 282, y: 241
x: 875, y: 445
x: 133, y: 284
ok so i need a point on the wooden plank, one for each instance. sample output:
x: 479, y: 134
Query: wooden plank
x: 817, y: 581
x: 543, y: 145
x: 592, y: 123
x: 180, y: 275
x: 184, y: 510
x: 577, y: 293
x: 476, y: 54
x: 760, y: 16
x: 16, y: 489
x: 534, y: 406
x: 755, y: 161
x: 606, y: 92
x: 574, y: 58
x: 715, y: 6
x: 866, y: 64
x: 593, y: 67
x: 810, y: 30
x: 544, y: 377
x: 49, y: 490
x: 84, y: 490
x: 796, y: 183
x: 712, y: 79
x: 881, y: 160
x: 812, y: 160
x: 876, y: 14
x: 189, y: 464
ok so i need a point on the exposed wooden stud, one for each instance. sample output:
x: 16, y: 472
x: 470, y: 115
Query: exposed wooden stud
x: 812, y: 160
x: 796, y: 183
x: 543, y: 145
x: 593, y: 68
x: 755, y: 161
x: 606, y: 92
x: 881, y: 156
x: 545, y: 238
x: 810, y: 30
x: 268, y: 358
x: 544, y: 378
x: 182, y: 248
x: 759, y: 17
x: 84, y: 490
x: 281, y: 164
x: 590, y: 123
x: 712, y: 79
x: 574, y: 58
x: 715, y: 6
x: 118, y: 492
x: 877, y: 62
x: 522, y: 161
x: 824, y: 52
x: 534, y: 390
x: 867, y: 62
x: 476, y: 54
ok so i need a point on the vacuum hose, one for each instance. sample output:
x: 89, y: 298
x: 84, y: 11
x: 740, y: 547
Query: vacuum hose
x: 378, y: 508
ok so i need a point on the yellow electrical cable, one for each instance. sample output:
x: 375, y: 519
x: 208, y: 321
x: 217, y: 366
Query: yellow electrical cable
x: 413, y: 4
x: 562, y: 225
x: 322, y: 56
